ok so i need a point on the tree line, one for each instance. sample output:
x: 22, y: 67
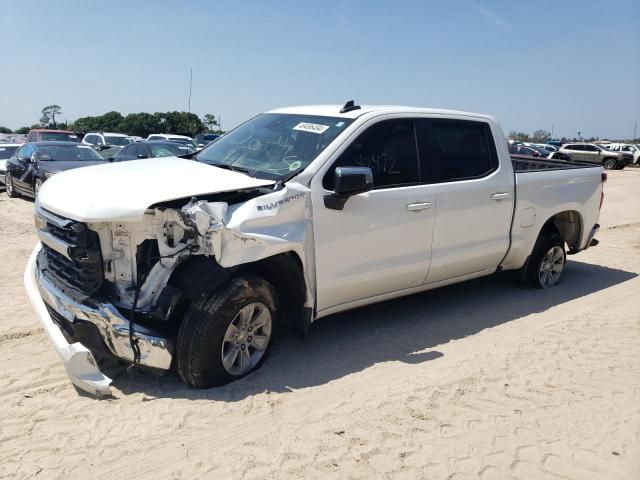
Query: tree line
x: 140, y: 124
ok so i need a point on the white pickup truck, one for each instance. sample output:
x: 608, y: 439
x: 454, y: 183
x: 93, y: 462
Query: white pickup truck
x: 296, y: 214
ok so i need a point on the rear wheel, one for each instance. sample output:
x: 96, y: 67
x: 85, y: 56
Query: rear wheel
x: 547, y: 261
x: 10, y: 187
x: 226, y: 336
x: 610, y: 163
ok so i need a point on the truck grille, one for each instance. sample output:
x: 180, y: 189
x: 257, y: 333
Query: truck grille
x: 70, y: 255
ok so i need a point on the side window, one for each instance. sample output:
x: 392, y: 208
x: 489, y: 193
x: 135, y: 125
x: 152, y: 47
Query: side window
x: 90, y: 139
x: 591, y: 148
x: 577, y: 148
x: 389, y: 149
x: 457, y: 150
x: 31, y: 137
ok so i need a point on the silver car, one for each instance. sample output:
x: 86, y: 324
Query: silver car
x: 591, y: 153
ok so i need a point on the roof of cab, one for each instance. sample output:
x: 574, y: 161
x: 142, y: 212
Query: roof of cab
x: 334, y: 111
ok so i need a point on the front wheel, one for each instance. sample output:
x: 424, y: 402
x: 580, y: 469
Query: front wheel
x: 10, y: 187
x: 547, y: 261
x: 226, y: 336
x: 610, y: 163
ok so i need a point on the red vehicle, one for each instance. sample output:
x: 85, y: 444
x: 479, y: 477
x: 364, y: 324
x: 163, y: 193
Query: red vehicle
x: 48, y: 135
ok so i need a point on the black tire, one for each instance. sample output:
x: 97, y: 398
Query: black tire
x: 610, y: 163
x: 201, y: 334
x: 547, y: 241
x: 10, y: 187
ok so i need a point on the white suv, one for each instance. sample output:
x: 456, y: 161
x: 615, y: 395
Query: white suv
x: 628, y: 148
x: 104, y: 138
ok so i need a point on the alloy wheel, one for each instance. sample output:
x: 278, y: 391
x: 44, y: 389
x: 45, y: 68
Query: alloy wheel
x: 551, y: 267
x: 246, y: 339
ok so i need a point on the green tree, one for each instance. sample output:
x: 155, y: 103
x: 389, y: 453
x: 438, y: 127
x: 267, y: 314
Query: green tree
x: 210, y: 121
x: 5, y: 130
x: 140, y: 124
x: 540, y: 136
x: 49, y: 115
x: 23, y: 130
x: 519, y: 136
x: 180, y: 123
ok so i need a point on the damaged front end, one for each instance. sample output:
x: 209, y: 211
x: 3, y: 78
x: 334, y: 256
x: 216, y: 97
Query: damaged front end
x: 150, y: 266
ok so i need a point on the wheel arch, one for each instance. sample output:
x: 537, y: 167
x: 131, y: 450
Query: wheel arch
x: 201, y: 276
x: 569, y: 224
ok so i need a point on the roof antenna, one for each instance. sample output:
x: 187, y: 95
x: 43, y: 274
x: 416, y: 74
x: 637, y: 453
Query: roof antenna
x: 349, y: 106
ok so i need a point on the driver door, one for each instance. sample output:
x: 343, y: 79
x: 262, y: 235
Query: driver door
x: 380, y: 242
x: 22, y: 173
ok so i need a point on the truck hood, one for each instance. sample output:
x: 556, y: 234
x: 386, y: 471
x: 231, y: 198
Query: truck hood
x: 123, y: 191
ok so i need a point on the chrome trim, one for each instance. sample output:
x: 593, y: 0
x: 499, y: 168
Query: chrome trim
x: 51, y: 218
x: 155, y: 350
x: 55, y: 243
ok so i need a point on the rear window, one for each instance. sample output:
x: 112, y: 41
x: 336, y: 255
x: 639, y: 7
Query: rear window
x: 58, y: 136
x: 459, y: 150
x: 113, y: 140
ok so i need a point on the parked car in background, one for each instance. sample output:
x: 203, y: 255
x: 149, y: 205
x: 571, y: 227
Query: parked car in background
x: 135, y: 138
x: 173, y: 138
x: 297, y: 214
x: 33, y: 163
x: 588, y: 152
x: 205, y: 139
x: 48, y: 135
x: 152, y: 149
x: 104, y: 138
x: 626, y: 148
x: 6, y: 151
x: 531, y: 150
x: 107, y: 151
x: 544, y: 146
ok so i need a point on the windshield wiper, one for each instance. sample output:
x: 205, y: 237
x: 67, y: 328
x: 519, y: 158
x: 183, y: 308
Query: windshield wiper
x: 226, y: 166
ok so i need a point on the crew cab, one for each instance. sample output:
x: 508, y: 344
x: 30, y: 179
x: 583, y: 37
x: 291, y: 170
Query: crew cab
x: 296, y: 214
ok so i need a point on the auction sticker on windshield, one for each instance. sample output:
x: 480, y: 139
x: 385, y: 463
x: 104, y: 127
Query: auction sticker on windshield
x: 311, y: 127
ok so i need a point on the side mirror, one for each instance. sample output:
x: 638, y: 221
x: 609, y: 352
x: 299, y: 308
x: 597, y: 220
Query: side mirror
x: 348, y: 181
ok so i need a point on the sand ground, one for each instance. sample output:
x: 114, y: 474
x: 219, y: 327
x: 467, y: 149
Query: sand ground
x: 487, y: 379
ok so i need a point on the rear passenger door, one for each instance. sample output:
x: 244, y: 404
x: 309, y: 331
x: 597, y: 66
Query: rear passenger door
x: 474, y: 197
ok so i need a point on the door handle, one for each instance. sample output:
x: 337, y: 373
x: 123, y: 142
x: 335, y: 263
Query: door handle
x: 416, y: 207
x: 500, y: 196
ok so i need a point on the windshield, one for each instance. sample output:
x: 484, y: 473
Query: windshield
x: 120, y: 141
x: 6, y: 152
x: 58, y: 136
x: 68, y: 153
x: 169, y: 149
x: 273, y: 145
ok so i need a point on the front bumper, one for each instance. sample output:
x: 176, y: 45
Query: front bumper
x: 155, y: 350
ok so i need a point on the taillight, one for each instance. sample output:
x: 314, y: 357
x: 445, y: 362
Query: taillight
x: 604, y: 179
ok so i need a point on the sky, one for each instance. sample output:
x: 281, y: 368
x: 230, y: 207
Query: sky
x: 573, y: 66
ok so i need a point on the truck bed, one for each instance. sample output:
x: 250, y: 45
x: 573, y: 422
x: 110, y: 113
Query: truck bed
x: 523, y: 163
